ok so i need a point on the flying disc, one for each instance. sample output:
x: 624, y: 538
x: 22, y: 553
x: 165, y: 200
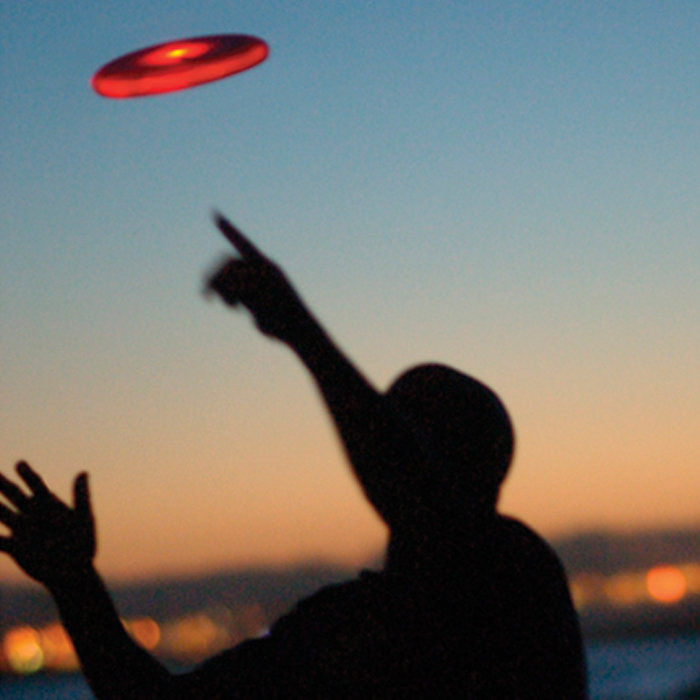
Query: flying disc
x: 177, y: 65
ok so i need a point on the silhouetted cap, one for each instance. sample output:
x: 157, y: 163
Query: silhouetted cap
x: 466, y: 431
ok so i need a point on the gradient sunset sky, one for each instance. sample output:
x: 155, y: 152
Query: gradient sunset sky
x: 508, y: 187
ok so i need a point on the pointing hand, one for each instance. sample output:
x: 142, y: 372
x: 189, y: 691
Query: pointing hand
x: 253, y: 280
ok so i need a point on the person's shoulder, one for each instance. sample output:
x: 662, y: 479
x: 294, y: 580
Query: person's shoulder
x: 242, y: 671
x: 518, y: 530
x: 549, y: 616
x: 331, y: 626
x: 523, y: 541
x: 336, y: 602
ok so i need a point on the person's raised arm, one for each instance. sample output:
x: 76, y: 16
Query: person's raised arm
x: 55, y: 544
x: 373, y: 435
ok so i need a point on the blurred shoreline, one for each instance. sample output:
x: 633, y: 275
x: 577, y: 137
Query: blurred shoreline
x: 644, y: 669
x: 630, y: 586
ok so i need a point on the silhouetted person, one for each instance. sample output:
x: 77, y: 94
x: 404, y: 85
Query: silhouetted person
x: 469, y: 604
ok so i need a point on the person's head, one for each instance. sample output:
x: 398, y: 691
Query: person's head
x: 467, y: 434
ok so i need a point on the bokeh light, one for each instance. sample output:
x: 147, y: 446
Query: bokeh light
x: 145, y: 631
x: 625, y: 589
x: 58, y: 650
x: 666, y: 584
x: 22, y: 649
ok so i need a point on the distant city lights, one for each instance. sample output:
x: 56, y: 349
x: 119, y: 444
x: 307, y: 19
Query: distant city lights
x: 665, y: 584
x: 189, y: 639
x: 196, y: 636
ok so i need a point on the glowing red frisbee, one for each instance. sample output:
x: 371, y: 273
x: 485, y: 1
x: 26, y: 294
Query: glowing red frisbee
x: 177, y: 65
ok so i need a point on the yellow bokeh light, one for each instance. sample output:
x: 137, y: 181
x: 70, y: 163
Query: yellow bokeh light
x: 176, y: 53
x: 22, y: 649
x: 666, y: 584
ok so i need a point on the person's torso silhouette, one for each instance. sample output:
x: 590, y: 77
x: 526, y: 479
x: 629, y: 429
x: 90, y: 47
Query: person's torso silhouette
x: 469, y: 603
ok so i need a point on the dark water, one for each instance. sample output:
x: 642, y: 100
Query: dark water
x: 651, y: 669
x: 646, y: 668
x: 45, y: 688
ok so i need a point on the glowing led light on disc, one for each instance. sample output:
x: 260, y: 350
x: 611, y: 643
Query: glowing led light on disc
x: 175, y: 52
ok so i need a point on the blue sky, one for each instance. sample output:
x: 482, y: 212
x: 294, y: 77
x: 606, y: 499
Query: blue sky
x: 508, y: 187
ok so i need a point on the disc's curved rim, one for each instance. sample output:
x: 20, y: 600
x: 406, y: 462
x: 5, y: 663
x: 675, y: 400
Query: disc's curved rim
x: 135, y: 75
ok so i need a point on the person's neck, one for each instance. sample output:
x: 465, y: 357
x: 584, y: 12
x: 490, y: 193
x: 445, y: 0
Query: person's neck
x: 437, y: 546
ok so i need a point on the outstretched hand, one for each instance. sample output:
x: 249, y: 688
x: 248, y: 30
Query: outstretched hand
x: 253, y: 280
x: 50, y: 540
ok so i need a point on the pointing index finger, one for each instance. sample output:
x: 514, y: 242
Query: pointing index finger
x: 236, y: 238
